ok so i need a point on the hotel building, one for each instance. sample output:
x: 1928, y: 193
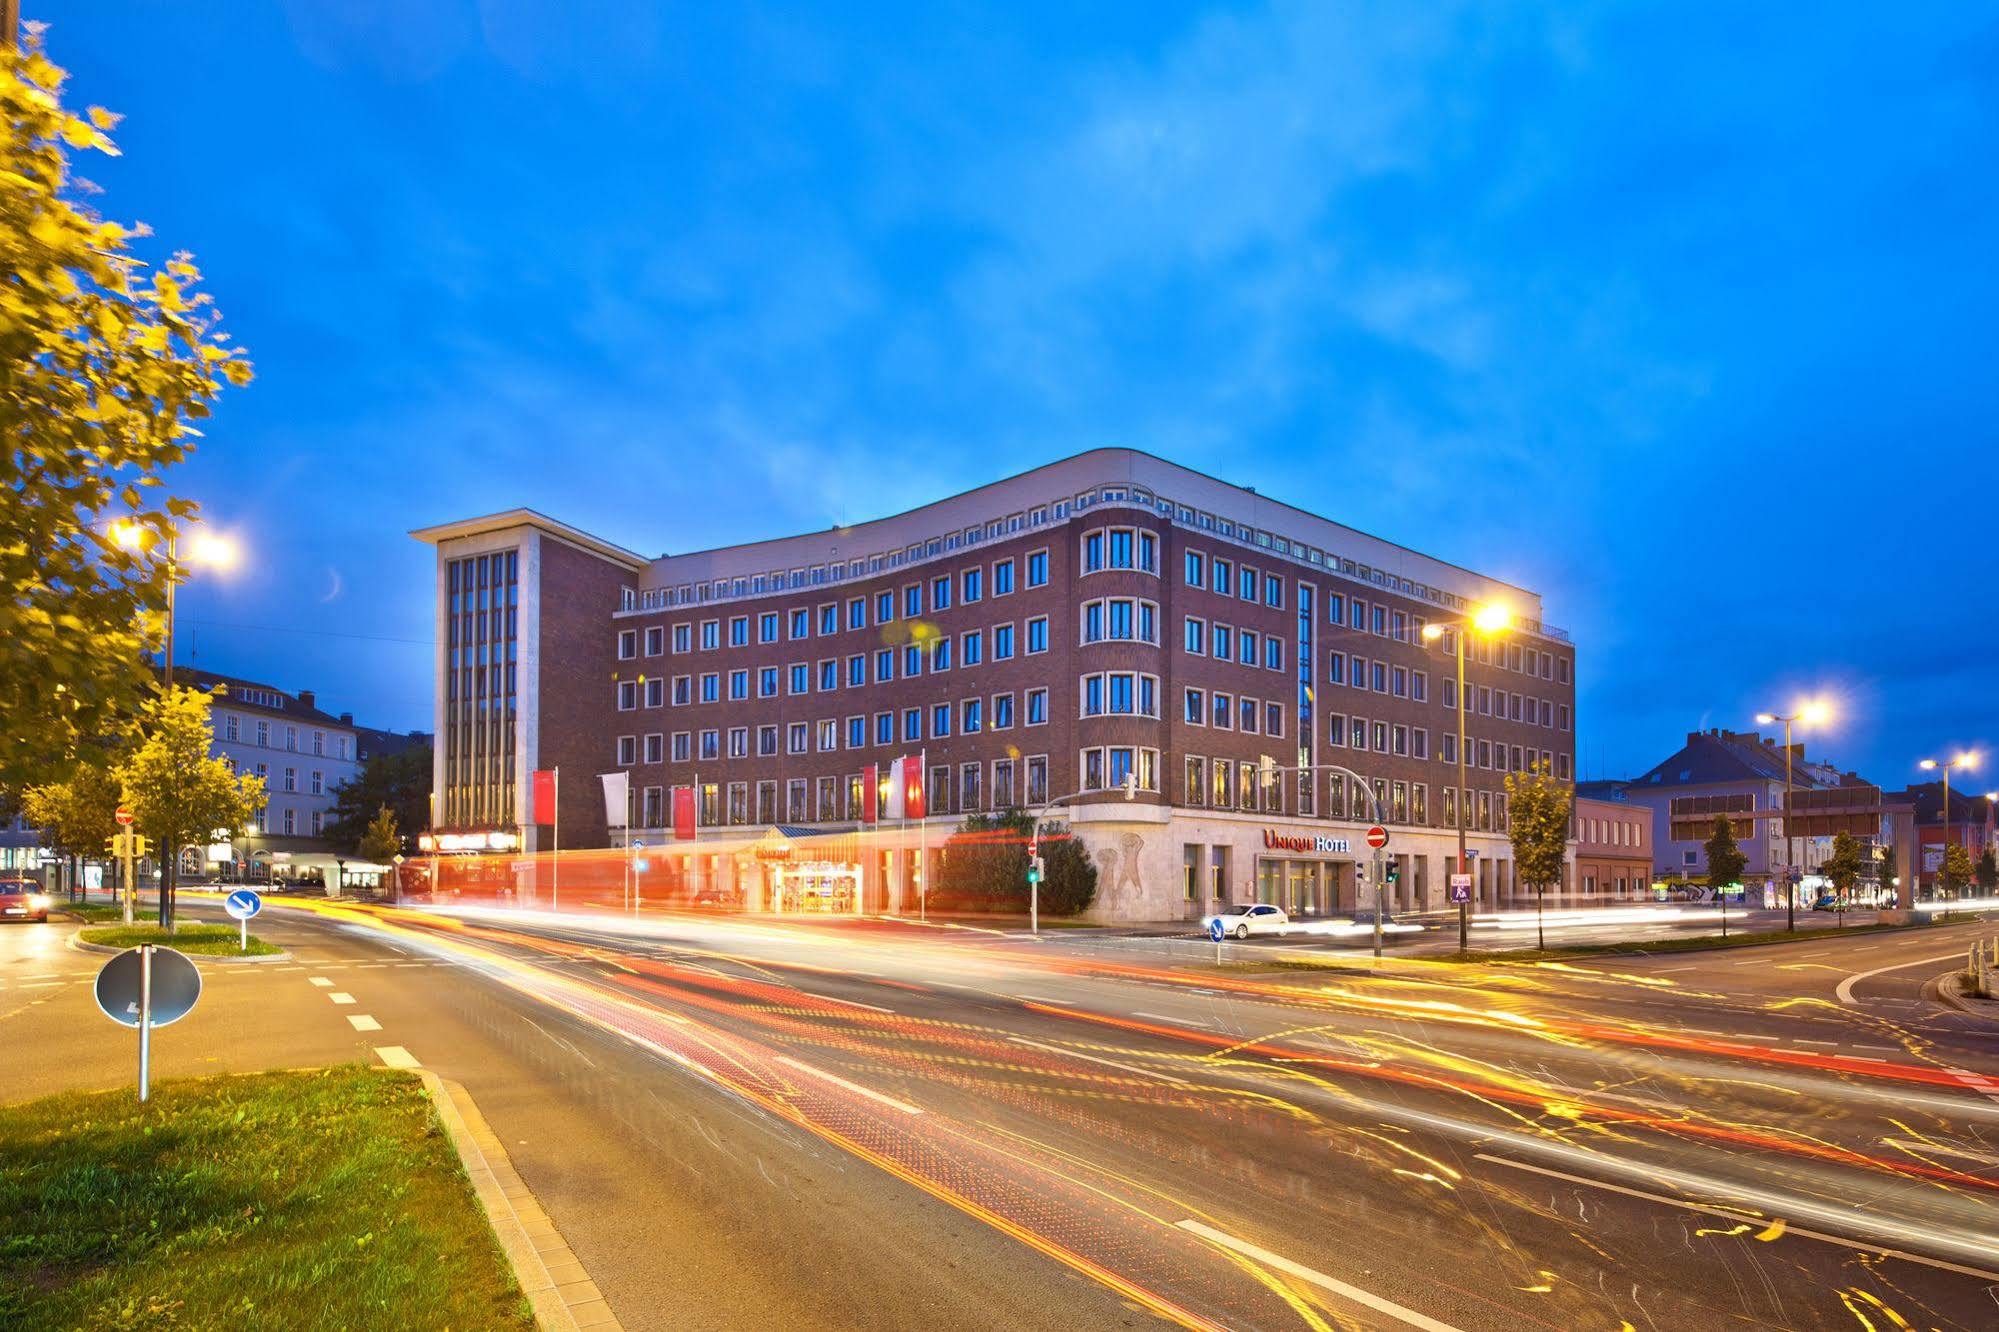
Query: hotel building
x: 1255, y: 674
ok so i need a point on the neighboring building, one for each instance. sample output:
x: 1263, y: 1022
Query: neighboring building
x: 1971, y: 827
x: 1736, y: 773
x: 1611, y: 860
x: 20, y: 846
x: 373, y: 742
x: 1107, y: 616
x: 303, y: 754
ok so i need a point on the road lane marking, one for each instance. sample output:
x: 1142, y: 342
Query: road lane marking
x: 854, y: 1087
x: 1740, y: 1215
x: 1188, y: 1022
x: 1095, y: 1059
x: 396, y: 1057
x: 1366, y: 1299
x: 1037, y: 999
x: 1940, y: 1149
x: 362, y: 1022
x: 319, y: 980
x: 1844, y: 993
x: 339, y: 998
x: 850, y: 1003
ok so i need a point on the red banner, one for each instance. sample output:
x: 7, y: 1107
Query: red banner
x: 912, y: 788
x: 683, y: 813
x: 544, y: 796
x: 870, y: 792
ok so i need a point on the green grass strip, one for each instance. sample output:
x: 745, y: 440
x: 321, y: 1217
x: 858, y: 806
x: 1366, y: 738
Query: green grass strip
x: 315, y: 1199
x: 205, y: 940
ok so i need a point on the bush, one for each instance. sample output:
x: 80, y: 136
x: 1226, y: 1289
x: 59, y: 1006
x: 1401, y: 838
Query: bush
x: 985, y: 868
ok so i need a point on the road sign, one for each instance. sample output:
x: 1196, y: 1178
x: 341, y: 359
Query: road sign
x: 1461, y: 888
x: 175, y: 986
x: 1215, y: 930
x: 146, y: 987
x: 123, y: 815
x: 242, y: 904
x: 1377, y: 837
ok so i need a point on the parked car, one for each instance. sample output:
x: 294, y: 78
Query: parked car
x: 23, y: 899
x: 1239, y: 922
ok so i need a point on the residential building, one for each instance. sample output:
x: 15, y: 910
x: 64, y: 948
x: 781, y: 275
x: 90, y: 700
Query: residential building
x: 1107, y: 619
x: 1611, y: 859
x: 1971, y: 827
x: 1737, y: 774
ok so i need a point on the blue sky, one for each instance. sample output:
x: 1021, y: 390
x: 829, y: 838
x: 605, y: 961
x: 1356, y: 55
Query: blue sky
x: 1678, y: 313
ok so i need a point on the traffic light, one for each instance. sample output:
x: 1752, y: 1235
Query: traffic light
x: 1394, y: 873
x: 1266, y: 773
x: 1359, y: 872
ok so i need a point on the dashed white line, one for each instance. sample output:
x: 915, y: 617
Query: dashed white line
x: 319, y: 981
x: 340, y: 998
x: 1156, y: 1017
x: 396, y: 1057
x: 1366, y: 1299
x: 1738, y: 1215
x: 1095, y: 1059
x: 362, y: 1022
x: 854, y: 1087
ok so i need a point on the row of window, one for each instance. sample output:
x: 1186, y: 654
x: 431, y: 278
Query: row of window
x: 966, y: 587
x: 937, y: 721
x: 1226, y: 643
x: 1226, y: 712
x: 232, y: 730
x: 834, y: 799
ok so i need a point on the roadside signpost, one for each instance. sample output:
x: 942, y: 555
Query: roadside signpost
x: 1377, y: 837
x: 123, y: 815
x: 1461, y: 887
x: 1216, y: 932
x: 241, y: 905
x: 146, y: 987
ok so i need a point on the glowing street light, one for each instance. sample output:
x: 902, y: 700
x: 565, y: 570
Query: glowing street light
x: 1488, y: 619
x: 1967, y: 759
x: 1812, y: 712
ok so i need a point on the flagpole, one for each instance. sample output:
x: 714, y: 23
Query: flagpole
x: 555, y: 848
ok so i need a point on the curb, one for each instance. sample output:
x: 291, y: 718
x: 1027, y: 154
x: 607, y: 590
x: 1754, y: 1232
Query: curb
x: 77, y: 945
x: 562, y: 1295
x: 1948, y: 990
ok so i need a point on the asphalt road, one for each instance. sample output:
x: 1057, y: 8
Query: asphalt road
x: 741, y: 1123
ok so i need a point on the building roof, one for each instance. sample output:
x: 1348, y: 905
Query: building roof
x: 1965, y: 806
x: 370, y: 741
x: 510, y: 518
x: 1603, y: 788
x: 1718, y: 758
x: 300, y: 706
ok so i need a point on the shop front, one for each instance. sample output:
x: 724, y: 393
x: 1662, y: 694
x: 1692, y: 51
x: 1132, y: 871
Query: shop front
x: 806, y: 873
x: 1307, y: 874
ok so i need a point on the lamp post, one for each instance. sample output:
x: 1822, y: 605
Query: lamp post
x: 1485, y: 620
x: 1810, y: 714
x: 1964, y: 760
x: 208, y: 549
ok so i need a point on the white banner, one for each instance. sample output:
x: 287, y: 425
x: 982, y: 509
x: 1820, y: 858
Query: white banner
x: 617, y: 798
x: 895, y: 789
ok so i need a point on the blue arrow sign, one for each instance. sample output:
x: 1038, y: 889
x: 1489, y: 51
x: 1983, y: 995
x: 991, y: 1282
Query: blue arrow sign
x: 242, y: 904
x: 1215, y: 930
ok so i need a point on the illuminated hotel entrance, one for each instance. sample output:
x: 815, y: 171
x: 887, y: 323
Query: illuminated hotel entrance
x: 1305, y: 884
x: 821, y: 887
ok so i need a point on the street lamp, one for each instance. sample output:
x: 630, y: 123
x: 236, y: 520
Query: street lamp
x: 1813, y: 713
x: 1964, y: 760
x: 1490, y: 620
x: 206, y: 549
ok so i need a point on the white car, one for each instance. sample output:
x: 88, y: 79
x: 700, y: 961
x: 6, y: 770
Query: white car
x: 1239, y: 922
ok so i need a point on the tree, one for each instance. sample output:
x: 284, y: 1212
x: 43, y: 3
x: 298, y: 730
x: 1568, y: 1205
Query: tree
x: 1725, y: 861
x: 382, y: 843
x: 1538, y: 825
x: 1843, y: 866
x: 1884, y: 871
x: 1987, y: 872
x: 76, y: 817
x: 1956, y: 871
x: 400, y: 782
x: 178, y: 792
x: 985, y: 867
x: 102, y: 379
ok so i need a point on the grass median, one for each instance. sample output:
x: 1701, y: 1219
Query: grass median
x: 202, y: 940
x: 94, y: 912
x: 315, y: 1199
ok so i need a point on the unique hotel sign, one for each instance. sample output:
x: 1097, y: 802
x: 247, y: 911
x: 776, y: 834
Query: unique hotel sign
x: 1277, y: 841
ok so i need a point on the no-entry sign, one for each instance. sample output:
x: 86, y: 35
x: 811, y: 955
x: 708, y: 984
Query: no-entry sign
x: 1377, y: 837
x: 123, y: 815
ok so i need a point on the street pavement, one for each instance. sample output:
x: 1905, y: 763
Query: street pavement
x: 742, y: 1122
